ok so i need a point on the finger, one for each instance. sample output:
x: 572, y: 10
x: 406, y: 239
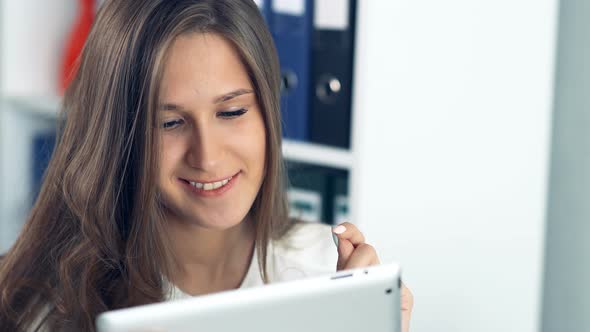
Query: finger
x: 345, y: 249
x: 362, y: 256
x: 349, y: 232
x: 407, y: 299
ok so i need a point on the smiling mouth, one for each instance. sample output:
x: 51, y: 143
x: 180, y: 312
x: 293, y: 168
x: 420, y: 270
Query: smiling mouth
x: 208, y: 186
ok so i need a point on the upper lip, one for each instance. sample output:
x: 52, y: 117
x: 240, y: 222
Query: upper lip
x: 210, y: 181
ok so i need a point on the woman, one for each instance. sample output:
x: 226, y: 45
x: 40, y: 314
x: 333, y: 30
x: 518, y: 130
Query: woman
x: 167, y: 180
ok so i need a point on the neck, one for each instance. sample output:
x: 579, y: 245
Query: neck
x: 209, y: 260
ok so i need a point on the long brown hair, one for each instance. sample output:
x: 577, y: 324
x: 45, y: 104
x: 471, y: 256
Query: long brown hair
x: 94, y: 239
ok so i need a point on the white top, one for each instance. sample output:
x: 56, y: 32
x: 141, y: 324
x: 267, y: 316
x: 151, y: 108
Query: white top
x: 306, y: 250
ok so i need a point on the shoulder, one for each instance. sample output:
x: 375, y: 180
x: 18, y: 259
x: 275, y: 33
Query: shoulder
x: 306, y: 250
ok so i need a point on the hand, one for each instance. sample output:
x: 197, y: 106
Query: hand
x: 407, y: 305
x: 353, y: 252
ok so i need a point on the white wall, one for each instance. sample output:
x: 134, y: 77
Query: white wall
x: 32, y: 38
x: 32, y: 35
x: 17, y: 130
x: 452, y: 112
x: 451, y: 135
x: 566, y: 293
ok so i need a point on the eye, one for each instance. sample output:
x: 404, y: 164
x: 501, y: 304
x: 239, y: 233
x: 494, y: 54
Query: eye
x: 172, y: 124
x: 232, y: 114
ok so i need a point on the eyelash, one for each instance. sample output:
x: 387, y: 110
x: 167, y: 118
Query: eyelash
x: 172, y: 124
x: 227, y: 115
x: 232, y: 114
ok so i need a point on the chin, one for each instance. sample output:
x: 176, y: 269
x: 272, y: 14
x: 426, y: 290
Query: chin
x: 218, y: 222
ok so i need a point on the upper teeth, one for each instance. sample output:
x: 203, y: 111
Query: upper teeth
x: 211, y: 185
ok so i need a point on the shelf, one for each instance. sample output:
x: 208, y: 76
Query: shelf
x: 309, y: 153
x: 45, y: 106
x: 316, y: 154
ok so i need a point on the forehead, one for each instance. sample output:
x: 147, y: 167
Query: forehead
x: 202, y: 63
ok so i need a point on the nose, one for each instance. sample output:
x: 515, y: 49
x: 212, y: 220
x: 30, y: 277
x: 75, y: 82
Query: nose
x: 204, y: 152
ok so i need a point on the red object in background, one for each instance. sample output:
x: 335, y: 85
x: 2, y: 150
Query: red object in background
x: 75, y: 41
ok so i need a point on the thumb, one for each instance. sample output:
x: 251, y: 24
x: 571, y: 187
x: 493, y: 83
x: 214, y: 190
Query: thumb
x: 345, y: 249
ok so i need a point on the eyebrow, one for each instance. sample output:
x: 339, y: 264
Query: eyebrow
x: 232, y: 95
x: 221, y: 99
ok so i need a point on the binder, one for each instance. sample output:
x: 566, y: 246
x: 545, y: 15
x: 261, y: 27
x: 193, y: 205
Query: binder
x: 291, y: 24
x: 263, y: 6
x: 317, y: 193
x: 305, y: 205
x: 307, y: 192
x: 42, y: 149
x: 331, y: 72
x: 340, y: 205
x: 75, y: 42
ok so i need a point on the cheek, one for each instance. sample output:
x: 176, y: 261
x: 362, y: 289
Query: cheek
x: 262, y: 147
x: 169, y: 152
x: 248, y: 142
x: 257, y: 153
x: 257, y: 144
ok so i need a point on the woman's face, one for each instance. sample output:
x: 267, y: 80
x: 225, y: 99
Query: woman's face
x: 212, y: 134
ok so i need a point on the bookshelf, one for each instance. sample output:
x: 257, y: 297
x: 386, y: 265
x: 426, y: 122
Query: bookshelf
x: 297, y: 151
x: 46, y: 107
x: 448, y: 165
x: 29, y: 102
x: 320, y: 155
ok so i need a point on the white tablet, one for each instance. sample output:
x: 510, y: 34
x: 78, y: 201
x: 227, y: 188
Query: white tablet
x: 365, y: 299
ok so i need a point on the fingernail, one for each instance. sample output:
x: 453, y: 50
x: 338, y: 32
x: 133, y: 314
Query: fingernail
x: 339, y: 229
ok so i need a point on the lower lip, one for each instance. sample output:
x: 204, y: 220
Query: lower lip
x: 211, y: 193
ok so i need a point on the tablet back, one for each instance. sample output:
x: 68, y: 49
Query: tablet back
x: 365, y: 299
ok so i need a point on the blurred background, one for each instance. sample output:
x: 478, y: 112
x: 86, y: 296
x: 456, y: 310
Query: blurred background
x: 455, y: 134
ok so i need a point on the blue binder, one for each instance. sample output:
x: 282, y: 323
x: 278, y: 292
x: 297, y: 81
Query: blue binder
x: 42, y: 148
x: 264, y: 6
x: 291, y: 24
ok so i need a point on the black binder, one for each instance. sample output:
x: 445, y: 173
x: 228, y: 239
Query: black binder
x: 331, y: 76
x: 307, y: 191
x: 323, y: 191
